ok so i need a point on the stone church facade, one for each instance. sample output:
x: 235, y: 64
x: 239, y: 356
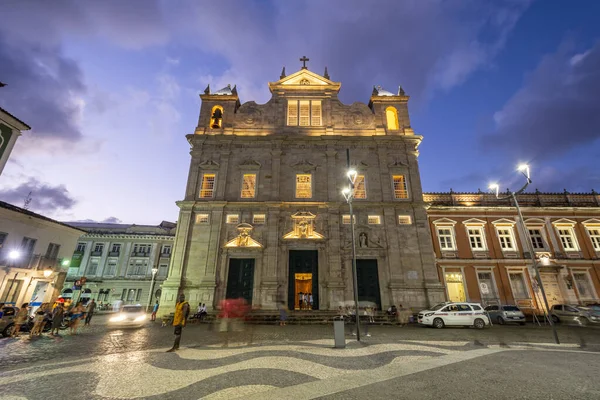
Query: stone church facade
x: 263, y: 215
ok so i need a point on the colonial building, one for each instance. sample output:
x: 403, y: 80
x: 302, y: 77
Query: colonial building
x: 32, y: 251
x: 483, y: 256
x: 263, y: 216
x: 120, y: 262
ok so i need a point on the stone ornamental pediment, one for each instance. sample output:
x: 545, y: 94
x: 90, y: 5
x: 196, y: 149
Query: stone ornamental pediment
x: 304, y: 166
x: 250, y: 164
x: 209, y: 164
x: 304, y: 226
x: 244, y: 239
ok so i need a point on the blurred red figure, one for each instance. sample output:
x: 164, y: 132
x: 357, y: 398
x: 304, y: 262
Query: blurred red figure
x: 232, y: 314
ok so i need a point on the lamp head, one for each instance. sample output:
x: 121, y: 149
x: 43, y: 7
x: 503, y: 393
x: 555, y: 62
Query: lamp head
x: 352, y: 174
x: 493, y: 186
x: 154, y: 270
x: 523, y: 167
x: 347, y: 192
x: 14, y: 254
x: 65, y: 263
x: 47, y: 272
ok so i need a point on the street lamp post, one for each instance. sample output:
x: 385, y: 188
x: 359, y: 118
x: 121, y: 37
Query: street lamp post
x: 154, y: 271
x: 349, y: 196
x: 524, y: 169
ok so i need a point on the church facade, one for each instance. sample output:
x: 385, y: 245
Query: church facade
x: 264, y: 217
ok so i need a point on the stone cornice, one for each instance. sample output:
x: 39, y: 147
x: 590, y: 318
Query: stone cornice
x: 124, y: 236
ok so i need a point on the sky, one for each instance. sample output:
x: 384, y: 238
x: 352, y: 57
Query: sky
x: 111, y: 88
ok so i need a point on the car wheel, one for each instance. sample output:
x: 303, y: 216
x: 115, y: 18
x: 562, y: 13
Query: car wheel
x: 584, y: 321
x: 479, y: 323
x: 500, y: 321
x: 555, y: 319
x: 7, y: 331
x: 438, y: 323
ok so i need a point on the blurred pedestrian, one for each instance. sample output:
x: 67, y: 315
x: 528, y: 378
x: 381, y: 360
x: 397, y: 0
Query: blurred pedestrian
x: 57, y: 318
x: 39, y: 319
x: 154, y: 311
x: 20, y: 319
x: 310, y: 301
x: 90, y: 312
x: 300, y: 300
x: 282, y: 314
x: 182, y: 311
x: 77, y: 315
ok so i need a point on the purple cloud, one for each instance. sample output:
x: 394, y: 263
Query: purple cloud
x: 44, y: 197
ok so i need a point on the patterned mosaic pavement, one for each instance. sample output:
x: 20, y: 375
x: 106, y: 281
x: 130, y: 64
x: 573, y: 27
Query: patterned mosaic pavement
x: 304, y: 369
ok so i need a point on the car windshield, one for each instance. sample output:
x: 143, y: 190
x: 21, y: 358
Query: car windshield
x: 134, y: 309
x: 437, y: 306
x: 510, y: 308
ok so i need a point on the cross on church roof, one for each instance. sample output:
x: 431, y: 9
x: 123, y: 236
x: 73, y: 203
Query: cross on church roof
x: 304, y: 60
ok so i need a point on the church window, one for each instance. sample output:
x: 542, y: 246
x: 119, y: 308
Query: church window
x: 259, y: 218
x: 374, y: 219
x: 346, y: 219
x: 207, y: 189
x: 404, y: 220
x: 360, y: 191
x: 248, y: 186
x: 202, y: 218
x: 303, y: 186
x: 233, y: 218
x: 400, y: 191
x: 304, y: 113
x: 216, y: 117
x: 391, y: 116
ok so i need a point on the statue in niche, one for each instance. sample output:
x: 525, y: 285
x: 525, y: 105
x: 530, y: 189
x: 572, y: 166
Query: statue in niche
x: 363, y: 240
x: 303, y: 228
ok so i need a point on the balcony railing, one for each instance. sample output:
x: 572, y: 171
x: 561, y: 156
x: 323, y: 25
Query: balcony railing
x: 165, y: 255
x: 114, y: 253
x: 96, y: 253
x: 33, y: 261
x: 140, y: 254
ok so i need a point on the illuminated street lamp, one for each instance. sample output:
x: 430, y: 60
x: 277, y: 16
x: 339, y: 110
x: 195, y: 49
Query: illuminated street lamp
x: 524, y: 169
x: 14, y: 254
x: 154, y: 271
x: 348, y: 194
x: 47, y: 272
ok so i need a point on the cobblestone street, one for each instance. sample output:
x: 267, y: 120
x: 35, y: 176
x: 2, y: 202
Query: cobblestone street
x: 288, y: 362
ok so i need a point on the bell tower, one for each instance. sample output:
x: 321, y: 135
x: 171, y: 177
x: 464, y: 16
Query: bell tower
x: 217, y: 110
x: 391, y: 111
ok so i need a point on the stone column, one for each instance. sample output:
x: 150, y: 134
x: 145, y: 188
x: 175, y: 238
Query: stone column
x: 275, y: 173
x: 335, y: 280
x: 269, y: 282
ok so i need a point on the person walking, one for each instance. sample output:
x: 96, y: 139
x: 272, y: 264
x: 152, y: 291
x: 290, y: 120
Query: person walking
x: 38, y: 320
x: 182, y: 310
x: 154, y: 311
x: 20, y: 319
x: 57, y: 318
x: 310, y: 301
x: 77, y: 314
x: 90, y: 312
x: 282, y: 314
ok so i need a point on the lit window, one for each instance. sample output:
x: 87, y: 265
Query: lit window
x: 304, y: 113
x: 374, y: 219
x: 595, y: 237
x: 202, y: 218
x: 446, y: 238
x: 476, y: 238
x: 233, y: 218
x: 80, y: 247
x: 567, y: 238
x: 315, y: 113
x: 360, y: 191
x: 208, y: 186
x: 404, y: 220
x: 400, y: 191
x: 537, y: 240
x: 391, y: 116
x: 248, y: 186
x: 505, y: 236
x: 303, y: 186
x: 259, y: 218
x: 346, y: 219
x: 292, y: 112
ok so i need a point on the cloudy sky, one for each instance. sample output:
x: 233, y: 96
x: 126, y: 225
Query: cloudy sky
x: 111, y: 88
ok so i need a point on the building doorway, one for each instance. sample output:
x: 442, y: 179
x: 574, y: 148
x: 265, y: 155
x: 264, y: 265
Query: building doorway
x: 367, y: 278
x: 552, y: 288
x: 303, y: 277
x: 240, y: 279
x: 302, y: 289
x: 455, y: 286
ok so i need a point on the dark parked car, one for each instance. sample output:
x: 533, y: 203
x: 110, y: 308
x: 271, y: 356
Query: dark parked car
x: 503, y: 314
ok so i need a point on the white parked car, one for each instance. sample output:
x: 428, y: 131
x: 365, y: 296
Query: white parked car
x: 130, y: 316
x: 454, y: 314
